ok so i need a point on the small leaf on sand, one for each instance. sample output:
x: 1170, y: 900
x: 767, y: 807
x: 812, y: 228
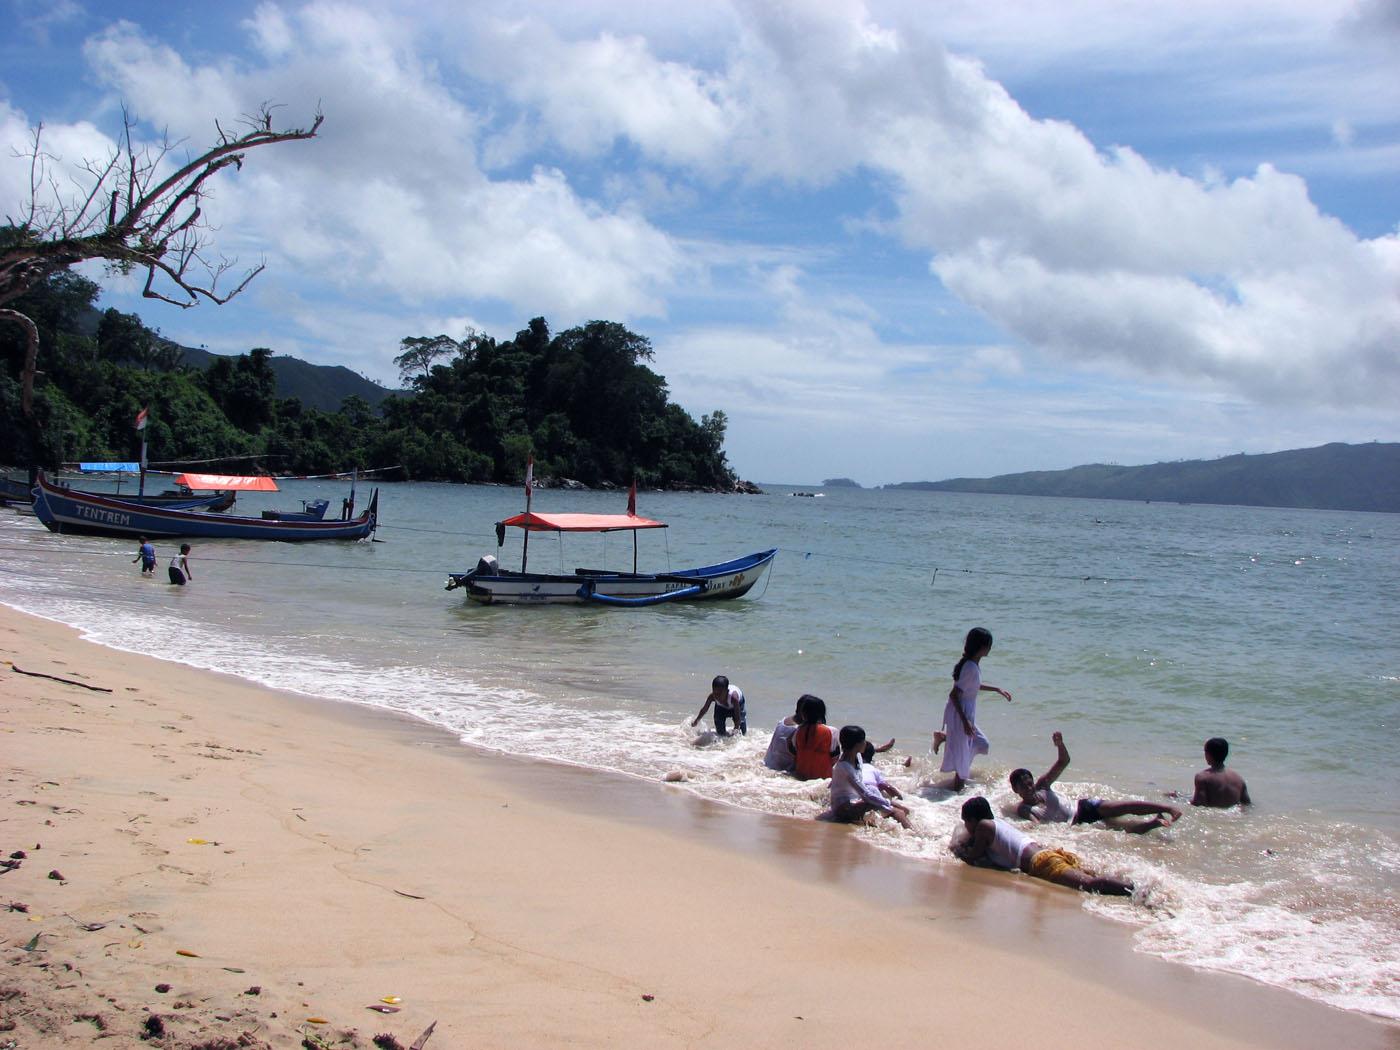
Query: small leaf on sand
x: 391, y: 999
x: 93, y: 927
x: 187, y: 955
x: 382, y: 1008
x: 234, y: 969
x: 410, y: 896
x: 198, y: 842
x: 133, y: 944
x: 317, y: 1020
x: 32, y: 942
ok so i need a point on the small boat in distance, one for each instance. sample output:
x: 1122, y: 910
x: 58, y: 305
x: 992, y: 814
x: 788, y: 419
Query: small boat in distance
x: 69, y: 511
x: 489, y: 584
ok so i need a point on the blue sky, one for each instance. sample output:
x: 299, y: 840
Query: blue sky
x: 892, y: 241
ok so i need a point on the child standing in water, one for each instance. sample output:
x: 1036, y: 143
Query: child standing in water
x: 964, y: 740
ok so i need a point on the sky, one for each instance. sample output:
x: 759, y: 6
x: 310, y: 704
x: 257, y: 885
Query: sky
x: 892, y: 241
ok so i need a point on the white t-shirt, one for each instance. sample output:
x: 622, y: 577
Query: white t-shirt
x: 778, y: 756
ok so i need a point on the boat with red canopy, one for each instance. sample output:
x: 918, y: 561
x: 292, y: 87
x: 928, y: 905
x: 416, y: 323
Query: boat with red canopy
x: 488, y: 583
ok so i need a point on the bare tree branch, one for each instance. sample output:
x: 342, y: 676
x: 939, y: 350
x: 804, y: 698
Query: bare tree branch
x: 158, y: 226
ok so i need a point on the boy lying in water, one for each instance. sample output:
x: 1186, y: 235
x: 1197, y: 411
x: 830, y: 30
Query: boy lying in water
x: 996, y: 844
x: 1040, y: 804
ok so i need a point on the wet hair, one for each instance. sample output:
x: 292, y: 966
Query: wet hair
x: 1217, y: 748
x: 184, y: 548
x: 1017, y: 774
x: 851, y: 736
x: 801, y: 704
x: 978, y: 638
x: 813, y: 709
x: 720, y: 682
x: 867, y: 753
x: 977, y: 808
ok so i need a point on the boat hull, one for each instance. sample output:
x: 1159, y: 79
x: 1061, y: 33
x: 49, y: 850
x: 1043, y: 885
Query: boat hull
x: 69, y: 511
x: 731, y: 579
x: 23, y: 492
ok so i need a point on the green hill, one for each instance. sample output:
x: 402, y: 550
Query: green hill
x: 1330, y: 477
x: 322, y: 387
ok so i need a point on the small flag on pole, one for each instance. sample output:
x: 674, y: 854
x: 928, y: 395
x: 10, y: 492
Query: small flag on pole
x: 529, y: 482
x: 632, y: 500
x: 141, y: 418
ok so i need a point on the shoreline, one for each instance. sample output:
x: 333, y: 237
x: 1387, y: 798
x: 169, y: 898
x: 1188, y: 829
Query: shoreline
x: 546, y: 900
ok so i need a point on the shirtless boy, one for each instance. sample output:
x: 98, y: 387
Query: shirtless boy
x: 1041, y: 805
x: 1216, y: 786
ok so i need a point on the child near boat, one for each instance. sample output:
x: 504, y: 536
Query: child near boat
x: 180, y: 566
x: 728, y: 701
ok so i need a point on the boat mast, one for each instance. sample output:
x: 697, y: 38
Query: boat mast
x: 529, y: 486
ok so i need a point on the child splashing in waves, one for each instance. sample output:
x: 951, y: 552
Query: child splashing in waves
x: 960, y: 733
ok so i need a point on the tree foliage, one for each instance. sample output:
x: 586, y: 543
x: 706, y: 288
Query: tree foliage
x: 583, y: 403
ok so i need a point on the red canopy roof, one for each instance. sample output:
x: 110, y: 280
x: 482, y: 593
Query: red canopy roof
x: 228, y: 481
x: 581, y: 522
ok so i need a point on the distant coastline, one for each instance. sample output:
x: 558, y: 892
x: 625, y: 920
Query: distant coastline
x: 1330, y: 477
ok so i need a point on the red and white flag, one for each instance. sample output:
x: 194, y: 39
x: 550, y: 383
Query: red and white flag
x: 141, y: 418
x: 632, y: 500
x: 529, y: 482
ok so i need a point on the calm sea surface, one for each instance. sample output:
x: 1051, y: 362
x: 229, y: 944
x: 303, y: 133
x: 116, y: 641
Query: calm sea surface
x: 1136, y: 629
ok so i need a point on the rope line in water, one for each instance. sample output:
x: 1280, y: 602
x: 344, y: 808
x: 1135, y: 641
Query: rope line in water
x: 936, y: 569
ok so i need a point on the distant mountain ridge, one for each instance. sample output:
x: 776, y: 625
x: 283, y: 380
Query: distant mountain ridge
x: 1330, y: 477
x: 322, y: 387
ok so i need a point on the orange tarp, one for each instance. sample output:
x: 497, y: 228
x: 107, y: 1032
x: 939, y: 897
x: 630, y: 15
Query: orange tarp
x: 228, y: 481
x: 581, y: 522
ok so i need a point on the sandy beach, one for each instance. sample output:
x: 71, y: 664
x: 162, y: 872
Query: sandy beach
x: 206, y: 863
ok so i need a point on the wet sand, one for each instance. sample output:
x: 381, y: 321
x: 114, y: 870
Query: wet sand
x: 282, y: 863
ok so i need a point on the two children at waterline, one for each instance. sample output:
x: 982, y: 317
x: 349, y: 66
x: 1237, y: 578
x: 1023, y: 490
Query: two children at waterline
x: 804, y: 746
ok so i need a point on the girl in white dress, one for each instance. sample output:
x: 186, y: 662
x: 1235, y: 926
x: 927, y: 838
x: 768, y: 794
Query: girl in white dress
x: 963, y: 739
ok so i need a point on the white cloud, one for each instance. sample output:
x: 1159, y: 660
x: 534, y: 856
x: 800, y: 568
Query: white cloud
x: 1087, y: 254
x: 390, y: 198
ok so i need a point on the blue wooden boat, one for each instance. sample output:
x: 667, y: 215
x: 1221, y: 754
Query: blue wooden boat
x: 490, y: 584
x: 69, y: 511
x: 22, y: 492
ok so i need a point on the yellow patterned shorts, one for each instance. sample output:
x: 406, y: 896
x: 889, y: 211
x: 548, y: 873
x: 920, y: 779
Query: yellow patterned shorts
x: 1050, y: 864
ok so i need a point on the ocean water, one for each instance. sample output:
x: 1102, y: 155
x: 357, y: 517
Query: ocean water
x: 1136, y: 629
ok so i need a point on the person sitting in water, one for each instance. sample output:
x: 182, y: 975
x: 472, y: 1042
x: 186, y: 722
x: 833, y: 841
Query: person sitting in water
x: 1040, y: 804
x: 729, y: 705
x: 813, y: 747
x: 872, y: 775
x: 1217, y: 786
x: 853, y: 794
x: 778, y: 756
x: 994, y: 843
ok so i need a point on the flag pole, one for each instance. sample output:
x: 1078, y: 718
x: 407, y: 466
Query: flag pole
x: 141, y: 428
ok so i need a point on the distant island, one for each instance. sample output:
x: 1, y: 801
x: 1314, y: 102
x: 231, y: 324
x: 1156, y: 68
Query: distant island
x: 840, y: 483
x: 1329, y: 477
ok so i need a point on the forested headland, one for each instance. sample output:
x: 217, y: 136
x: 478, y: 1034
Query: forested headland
x: 1329, y: 477
x: 583, y: 402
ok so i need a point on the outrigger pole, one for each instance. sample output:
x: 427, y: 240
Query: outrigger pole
x: 529, y: 487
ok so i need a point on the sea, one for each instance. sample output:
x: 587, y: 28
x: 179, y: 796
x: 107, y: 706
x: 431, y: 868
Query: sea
x: 1137, y: 629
